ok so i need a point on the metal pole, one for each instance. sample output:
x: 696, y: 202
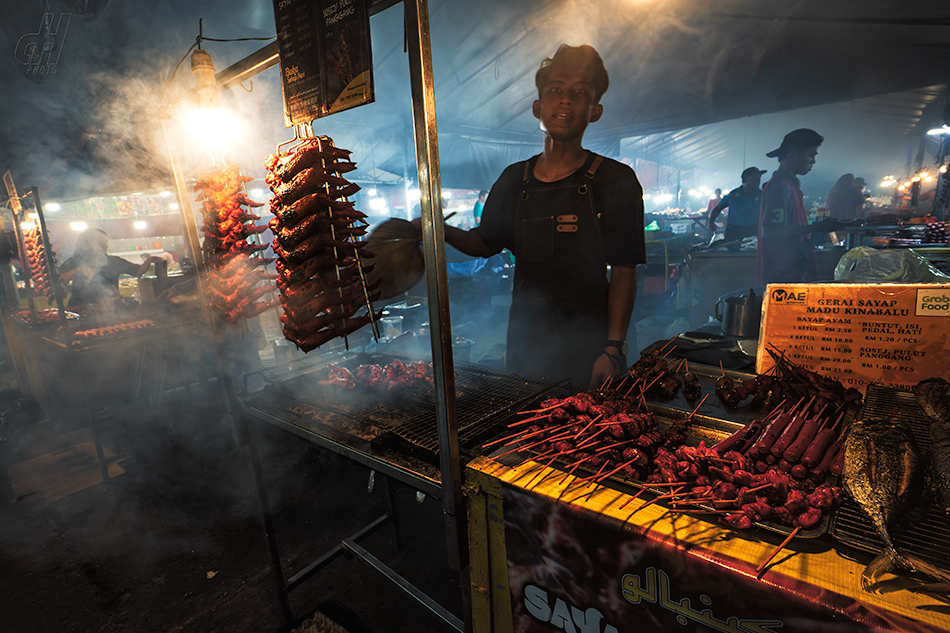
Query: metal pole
x: 190, y: 227
x: 433, y: 243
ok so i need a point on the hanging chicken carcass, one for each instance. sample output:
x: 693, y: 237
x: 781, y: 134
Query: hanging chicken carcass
x: 320, y: 268
x: 233, y: 262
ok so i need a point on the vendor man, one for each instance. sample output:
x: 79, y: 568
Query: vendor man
x: 743, y: 202
x: 566, y: 214
x: 785, y: 253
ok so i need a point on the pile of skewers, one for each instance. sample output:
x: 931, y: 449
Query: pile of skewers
x: 789, y: 382
x: 233, y: 261
x: 321, y: 275
x: 778, y: 469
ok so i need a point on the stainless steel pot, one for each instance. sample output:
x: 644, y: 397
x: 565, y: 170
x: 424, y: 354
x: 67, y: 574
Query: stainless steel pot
x: 740, y: 313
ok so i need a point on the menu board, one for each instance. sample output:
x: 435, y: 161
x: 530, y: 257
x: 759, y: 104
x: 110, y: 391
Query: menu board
x: 894, y: 334
x: 326, y: 62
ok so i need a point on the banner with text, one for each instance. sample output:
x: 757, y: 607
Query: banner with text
x: 894, y: 334
x: 573, y: 571
x: 326, y: 62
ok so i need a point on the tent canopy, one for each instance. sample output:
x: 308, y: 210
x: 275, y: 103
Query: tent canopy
x: 705, y: 86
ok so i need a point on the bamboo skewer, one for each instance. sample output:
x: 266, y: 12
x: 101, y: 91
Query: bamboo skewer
x: 764, y: 564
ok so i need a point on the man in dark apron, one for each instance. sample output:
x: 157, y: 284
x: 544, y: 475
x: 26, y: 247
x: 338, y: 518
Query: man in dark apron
x: 566, y: 215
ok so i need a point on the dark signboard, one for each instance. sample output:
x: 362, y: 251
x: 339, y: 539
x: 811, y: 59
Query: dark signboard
x: 326, y: 62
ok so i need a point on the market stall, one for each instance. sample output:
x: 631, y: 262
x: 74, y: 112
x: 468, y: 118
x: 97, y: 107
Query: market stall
x: 721, y: 500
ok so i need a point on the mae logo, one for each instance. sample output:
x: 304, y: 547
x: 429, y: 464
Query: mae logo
x: 933, y: 302
x: 788, y: 297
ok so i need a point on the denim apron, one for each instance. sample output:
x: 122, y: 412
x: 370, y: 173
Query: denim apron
x: 558, y: 320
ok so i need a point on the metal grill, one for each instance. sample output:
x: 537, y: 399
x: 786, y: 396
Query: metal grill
x: 923, y: 531
x: 484, y: 400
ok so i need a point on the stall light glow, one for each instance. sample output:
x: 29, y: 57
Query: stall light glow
x: 140, y: 224
x: 78, y: 226
x: 901, y: 188
x: 173, y: 206
x: 937, y: 131
x: 943, y: 169
x: 33, y: 216
x: 924, y: 174
x: 164, y: 194
x: 372, y: 193
x: 446, y: 194
x: 915, y: 179
x: 414, y: 195
x: 907, y: 184
x: 646, y: 196
x: 377, y: 204
x: 929, y: 179
x: 51, y: 206
x: 27, y: 226
x: 214, y: 129
x: 257, y: 193
x: 693, y: 192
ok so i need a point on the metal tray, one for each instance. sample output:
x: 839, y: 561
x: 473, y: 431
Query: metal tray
x: 924, y: 530
x: 407, y: 421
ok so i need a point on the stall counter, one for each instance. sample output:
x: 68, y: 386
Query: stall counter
x: 550, y: 552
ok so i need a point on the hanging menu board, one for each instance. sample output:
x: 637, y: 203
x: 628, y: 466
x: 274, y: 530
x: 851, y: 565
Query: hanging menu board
x: 895, y: 334
x: 326, y: 62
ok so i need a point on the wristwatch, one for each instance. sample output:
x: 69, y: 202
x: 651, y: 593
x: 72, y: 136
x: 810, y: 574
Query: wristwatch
x: 620, y: 345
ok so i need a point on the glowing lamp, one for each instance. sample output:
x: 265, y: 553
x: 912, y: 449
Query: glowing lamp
x: 78, y: 226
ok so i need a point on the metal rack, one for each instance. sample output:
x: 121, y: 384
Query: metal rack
x: 444, y: 482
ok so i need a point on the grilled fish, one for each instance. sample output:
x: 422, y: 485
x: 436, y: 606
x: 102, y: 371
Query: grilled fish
x: 933, y: 395
x: 881, y: 473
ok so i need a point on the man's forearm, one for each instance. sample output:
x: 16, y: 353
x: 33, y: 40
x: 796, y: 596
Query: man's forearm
x: 620, y: 300
x: 780, y: 231
x: 467, y: 241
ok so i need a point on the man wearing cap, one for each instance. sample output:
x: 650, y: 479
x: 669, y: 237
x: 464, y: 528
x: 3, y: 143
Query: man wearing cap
x: 743, y: 203
x: 785, y: 252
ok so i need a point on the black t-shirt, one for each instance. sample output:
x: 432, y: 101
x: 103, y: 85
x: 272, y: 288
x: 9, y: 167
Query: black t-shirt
x: 617, y: 195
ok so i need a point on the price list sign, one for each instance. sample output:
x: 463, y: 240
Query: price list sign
x: 326, y: 62
x: 894, y: 334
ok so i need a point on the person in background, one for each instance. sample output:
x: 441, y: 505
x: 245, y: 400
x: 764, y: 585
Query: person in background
x: 566, y: 214
x: 480, y: 206
x: 743, y: 204
x: 846, y: 199
x: 714, y: 201
x: 93, y: 274
x: 785, y: 252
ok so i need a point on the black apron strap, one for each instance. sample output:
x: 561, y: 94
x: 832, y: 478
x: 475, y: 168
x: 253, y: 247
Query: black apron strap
x: 589, y: 175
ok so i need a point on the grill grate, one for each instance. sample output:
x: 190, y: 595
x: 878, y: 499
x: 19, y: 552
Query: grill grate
x: 923, y: 531
x: 484, y: 400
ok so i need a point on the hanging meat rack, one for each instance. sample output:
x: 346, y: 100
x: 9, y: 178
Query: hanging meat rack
x: 304, y: 138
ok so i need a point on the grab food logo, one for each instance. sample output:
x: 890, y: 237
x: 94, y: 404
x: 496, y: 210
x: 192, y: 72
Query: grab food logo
x: 788, y: 297
x: 933, y: 302
x: 40, y: 51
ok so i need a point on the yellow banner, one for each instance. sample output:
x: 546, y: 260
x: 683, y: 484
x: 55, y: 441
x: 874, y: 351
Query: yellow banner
x: 895, y: 334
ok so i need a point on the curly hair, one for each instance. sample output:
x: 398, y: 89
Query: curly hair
x: 584, y: 57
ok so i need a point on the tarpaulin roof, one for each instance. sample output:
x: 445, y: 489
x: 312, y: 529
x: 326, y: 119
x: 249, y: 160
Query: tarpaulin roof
x: 706, y: 85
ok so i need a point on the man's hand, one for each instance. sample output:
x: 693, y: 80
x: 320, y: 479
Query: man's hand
x: 607, y: 364
x: 712, y: 225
